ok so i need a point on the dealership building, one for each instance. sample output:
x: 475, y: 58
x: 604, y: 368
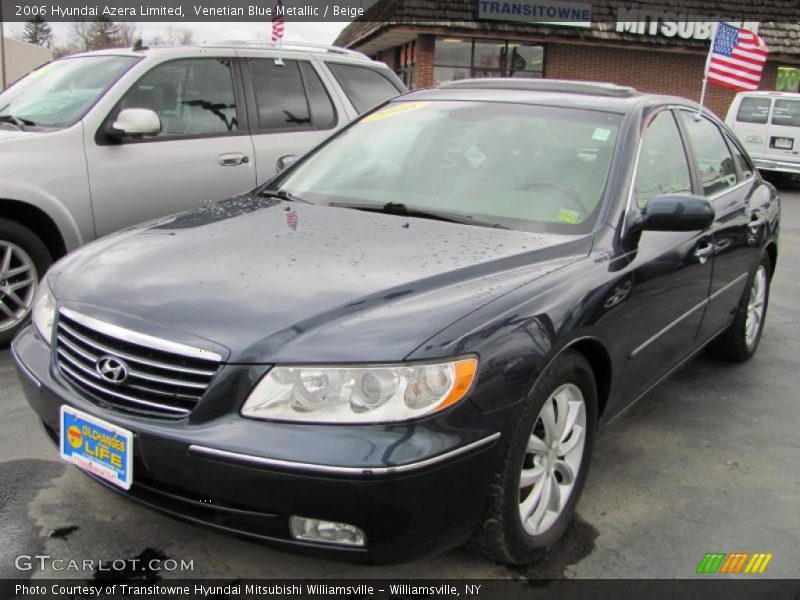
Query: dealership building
x: 642, y: 44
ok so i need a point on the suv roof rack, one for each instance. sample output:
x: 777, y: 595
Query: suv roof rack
x: 291, y: 46
x: 544, y: 85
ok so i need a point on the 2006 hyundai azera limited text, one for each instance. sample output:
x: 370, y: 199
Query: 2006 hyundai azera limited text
x: 410, y: 337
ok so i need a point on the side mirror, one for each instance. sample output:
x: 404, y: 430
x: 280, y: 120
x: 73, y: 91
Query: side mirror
x: 675, y: 212
x: 284, y: 162
x: 136, y: 122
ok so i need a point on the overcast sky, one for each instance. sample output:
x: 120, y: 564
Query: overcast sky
x: 321, y: 33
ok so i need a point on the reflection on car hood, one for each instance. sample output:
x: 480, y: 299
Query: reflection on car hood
x: 277, y: 281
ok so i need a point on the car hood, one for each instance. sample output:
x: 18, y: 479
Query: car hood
x: 273, y: 281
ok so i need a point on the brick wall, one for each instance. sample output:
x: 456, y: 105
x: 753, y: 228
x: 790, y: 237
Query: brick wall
x: 647, y: 70
x: 424, y: 68
x: 678, y: 73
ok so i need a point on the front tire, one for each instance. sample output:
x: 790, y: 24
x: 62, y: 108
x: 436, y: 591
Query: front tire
x: 533, y: 496
x: 740, y: 340
x: 23, y: 261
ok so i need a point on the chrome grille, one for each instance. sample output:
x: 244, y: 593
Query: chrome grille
x: 160, y: 382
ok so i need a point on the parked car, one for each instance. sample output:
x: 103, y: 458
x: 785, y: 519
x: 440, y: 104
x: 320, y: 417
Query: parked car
x: 104, y: 140
x: 768, y: 124
x: 410, y: 337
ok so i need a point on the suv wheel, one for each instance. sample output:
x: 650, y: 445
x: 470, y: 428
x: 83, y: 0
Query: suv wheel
x: 23, y: 260
x: 533, y: 497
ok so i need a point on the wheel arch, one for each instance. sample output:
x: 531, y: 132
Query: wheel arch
x: 38, y: 221
x: 772, y: 252
x: 599, y: 360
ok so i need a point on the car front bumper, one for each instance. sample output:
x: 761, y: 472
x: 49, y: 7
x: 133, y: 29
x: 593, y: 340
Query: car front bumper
x: 413, y: 488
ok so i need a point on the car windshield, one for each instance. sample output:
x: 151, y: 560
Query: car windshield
x: 60, y: 93
x: 520, y: 166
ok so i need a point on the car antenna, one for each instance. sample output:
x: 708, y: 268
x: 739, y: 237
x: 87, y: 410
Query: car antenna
x: 138, y: 45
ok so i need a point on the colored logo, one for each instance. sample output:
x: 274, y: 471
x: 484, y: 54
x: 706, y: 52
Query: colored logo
x: 74, y: 436
x: 735, y: 563
x: 111, y: 369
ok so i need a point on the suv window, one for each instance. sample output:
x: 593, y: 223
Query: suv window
x: 753, y: 110
x: 364, y: 87
x: 290, y: 96
x: 786, y: 113
x: 663, y: 168
x: 714, y: 161
x: 191, y: 97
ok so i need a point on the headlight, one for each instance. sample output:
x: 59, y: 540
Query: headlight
x: 368, y: 394
x: 44, y: 310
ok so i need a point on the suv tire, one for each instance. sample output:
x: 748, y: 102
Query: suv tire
x: 24, y: 259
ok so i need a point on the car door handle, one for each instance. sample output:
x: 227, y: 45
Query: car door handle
x: 232, y: 160
x: 703, y: 253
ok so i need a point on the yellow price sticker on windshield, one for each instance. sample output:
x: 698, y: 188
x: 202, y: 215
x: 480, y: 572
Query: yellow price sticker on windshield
x: 566, y: 215
x: 393, y: 110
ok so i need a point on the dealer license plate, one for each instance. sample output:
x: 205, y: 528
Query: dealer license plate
x: 99, y: 447
x: 783, y: 143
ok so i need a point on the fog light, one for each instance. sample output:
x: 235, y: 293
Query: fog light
x: 316, y: 530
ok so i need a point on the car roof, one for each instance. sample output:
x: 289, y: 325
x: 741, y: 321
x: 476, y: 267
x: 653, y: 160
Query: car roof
x: 569, y: 94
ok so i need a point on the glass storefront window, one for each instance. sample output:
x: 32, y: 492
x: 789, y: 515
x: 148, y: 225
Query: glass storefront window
x: 460, y: 58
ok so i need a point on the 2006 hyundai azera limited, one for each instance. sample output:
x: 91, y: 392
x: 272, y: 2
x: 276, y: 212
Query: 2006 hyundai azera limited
x: 410, y: 337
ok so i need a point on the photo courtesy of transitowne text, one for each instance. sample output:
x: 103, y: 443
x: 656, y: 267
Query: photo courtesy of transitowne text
x: 388, y: 299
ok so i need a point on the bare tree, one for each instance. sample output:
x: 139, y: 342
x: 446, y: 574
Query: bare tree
x: 127, y: 34
x: 80, y: 36
x: 174, y: 36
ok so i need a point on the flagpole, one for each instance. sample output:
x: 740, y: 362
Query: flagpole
x: 705, y: 71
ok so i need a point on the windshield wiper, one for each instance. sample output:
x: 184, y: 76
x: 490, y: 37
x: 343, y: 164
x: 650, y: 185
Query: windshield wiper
x: 18, y: 121
x: 283, y: 195
x: 400, y: 209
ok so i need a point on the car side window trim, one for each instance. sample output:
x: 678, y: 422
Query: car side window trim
x: 101, y: 139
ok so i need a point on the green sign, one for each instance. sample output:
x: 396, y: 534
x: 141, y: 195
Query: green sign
x: 788, y: 79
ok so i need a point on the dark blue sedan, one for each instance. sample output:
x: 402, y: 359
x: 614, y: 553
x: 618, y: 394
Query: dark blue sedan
x: 410, y: 337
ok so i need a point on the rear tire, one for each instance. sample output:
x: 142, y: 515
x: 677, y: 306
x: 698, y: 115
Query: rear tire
x: 538, y: 465
x: 740, y: 340
x: 23, y: 261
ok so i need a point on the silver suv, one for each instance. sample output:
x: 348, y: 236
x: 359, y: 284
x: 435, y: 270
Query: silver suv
x: 99, y: 141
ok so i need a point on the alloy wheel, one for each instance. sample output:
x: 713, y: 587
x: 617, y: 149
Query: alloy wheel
x: 755, y: 306
x: 18, y: 280
x: 552, y: 459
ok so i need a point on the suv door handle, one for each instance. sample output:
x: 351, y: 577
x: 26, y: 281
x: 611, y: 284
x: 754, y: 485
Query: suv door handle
x: 232, y: 160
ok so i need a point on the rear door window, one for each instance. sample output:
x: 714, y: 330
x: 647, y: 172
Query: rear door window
x: 366, y: 88
x: 290, y: 97
x: 753, y: 109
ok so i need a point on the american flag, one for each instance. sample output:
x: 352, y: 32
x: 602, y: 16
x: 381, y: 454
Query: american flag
x: 278, y: 23
x: 737, y: 58
x: 292, y: 220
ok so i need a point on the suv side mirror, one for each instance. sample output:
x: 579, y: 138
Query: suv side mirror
x: 676, y: 212
x: 135, y: 122
x: 284, y: 162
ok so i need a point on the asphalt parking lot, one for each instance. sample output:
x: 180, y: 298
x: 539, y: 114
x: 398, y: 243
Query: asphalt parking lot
x: 710, y: 461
